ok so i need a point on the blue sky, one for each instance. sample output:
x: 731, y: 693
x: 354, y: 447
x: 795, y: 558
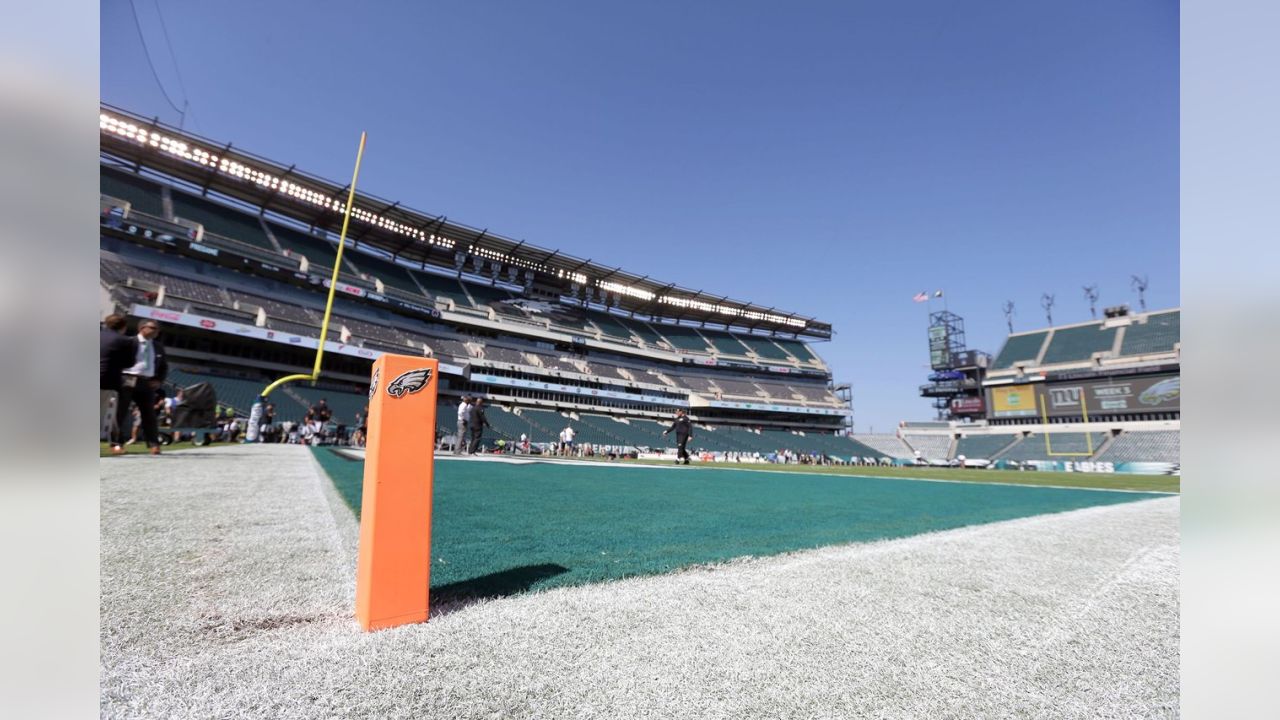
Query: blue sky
x: 831, y: 159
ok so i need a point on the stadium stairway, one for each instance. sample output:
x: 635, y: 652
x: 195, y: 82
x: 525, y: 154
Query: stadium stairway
x: 503, y: 423
x: 931, y: 447
x: 546, y: 424
x: 1143, y: 446
x: 594, y: 429
x: 1107, y: 442
x: 886, y: 445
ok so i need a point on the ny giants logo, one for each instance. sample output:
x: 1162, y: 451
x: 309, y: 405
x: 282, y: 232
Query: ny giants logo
x: 409, y: 383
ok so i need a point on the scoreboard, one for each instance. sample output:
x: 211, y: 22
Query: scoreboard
x: 1072, y: 398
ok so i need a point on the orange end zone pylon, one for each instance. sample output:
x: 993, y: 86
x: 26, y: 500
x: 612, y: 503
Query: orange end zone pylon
x: 393, y: 574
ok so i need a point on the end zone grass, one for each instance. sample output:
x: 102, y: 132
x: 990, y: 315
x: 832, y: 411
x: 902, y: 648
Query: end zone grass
x: 1099, y: 481
x: 501, y: 529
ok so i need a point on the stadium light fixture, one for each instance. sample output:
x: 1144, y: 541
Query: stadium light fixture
x: 109, y: 124
x: 627, y: 290
x: 192, y: 152
x: 719, y: 309
x: 574, y: 277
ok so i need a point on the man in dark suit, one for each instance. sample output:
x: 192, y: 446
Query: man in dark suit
x: 478, y: 424
x: 684, y: 433
x: 140, y: 381
x: 115, y: 353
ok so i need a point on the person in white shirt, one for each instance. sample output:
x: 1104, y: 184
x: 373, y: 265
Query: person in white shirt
x: 566, y: 440
x: 464, y: 424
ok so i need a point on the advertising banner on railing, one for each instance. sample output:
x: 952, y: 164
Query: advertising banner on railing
x: 575, y: 390
x: 260, y: 333
x: 770, y: 407
x: 1102, y: 466
x: 341, y: 287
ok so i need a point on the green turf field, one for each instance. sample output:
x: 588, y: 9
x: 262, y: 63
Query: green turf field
x: 501, y: 529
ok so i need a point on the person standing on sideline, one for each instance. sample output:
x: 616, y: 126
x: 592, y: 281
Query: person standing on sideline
x: 684, y: 433
x: 478, y: 424
x: 566, y: 441
x: 115, y: 353
x: 464, y: 419
x: 140, y: 381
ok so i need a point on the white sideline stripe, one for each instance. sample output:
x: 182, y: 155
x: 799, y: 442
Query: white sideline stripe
x: 359, y: 454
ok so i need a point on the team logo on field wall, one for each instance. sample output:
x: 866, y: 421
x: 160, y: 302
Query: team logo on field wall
x: 1163, y: 391
x: 373, y: 384
x: 409, y: 383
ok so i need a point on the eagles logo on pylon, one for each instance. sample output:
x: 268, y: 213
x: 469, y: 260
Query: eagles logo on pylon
x: 409, y: 383
x: 373, y: 384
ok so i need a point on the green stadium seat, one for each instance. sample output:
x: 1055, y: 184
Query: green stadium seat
x: 983, y: 447
x: 1159, y: 334
x: 236, y: 392
x: 1020, y: 348
x: 799, y: 349
x: 486, y: 295
x: 1064, y: 445
x: 724, y: 343
x: 316, y: 250
x: 440, y: 286
x: 1075, y: 344
x: 930, y: 446
x: 391, y: 274
x: 219, y: 220
x: 611, y: 326
x: 642, y: 330
x: 683, y: 338
x: 345, y: 405
x: 143, y: 195
x: 886, y: 445
x: 1144, y: 446
x: 764, y: 347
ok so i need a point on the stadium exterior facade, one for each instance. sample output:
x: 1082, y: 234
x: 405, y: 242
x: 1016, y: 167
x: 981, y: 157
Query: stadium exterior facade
x: 1094, y: 396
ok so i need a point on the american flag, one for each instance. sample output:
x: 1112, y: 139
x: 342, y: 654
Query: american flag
x: 921, y: 297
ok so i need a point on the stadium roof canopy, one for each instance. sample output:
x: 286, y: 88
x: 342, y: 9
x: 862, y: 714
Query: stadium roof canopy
x: 413, y: 235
